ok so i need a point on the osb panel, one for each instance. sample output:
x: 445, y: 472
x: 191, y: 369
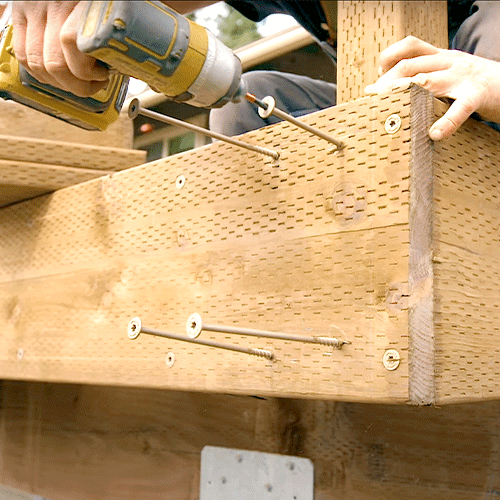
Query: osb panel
x: 467, y: 264
x: 98, y: 443
x: 315, y: 244
x: 366, y: 28
x: 21, y: 121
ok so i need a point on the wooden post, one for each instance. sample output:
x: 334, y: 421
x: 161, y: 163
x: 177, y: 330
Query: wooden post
x: 366, y: 28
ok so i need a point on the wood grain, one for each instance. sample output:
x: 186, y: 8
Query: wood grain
x: 32, y: 167
x: 421, y: 272
x: 20, y: 121
x: 96, y: 443
x: 316, y: 244
x: 467, y: 263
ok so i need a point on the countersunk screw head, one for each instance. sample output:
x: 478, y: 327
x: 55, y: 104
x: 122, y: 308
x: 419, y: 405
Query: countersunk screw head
x: 194, y: 325
x: 391, y: 359
x: 170, y: 360
x: 392, y: 124
x: 20, y: 353
x: 180, y: 182
x: 134, y: 328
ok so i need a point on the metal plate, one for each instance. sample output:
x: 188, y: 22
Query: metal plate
x: 228, y: 474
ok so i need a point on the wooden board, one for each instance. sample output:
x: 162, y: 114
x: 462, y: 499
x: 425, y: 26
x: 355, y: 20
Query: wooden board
x: 390, y: 244
x: 20, y: 121
x: 467, y: 263
x: 314, y: 244
x: 32, y: 167
x: 102, y: 443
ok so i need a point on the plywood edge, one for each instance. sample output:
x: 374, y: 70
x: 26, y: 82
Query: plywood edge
x: 421, y: 293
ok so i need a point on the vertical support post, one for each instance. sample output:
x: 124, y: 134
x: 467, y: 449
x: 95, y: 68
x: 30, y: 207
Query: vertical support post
x: 366, y: 28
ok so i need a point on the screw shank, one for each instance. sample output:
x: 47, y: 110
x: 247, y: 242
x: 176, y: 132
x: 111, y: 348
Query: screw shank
x: 209, y: 343
x: 173, y: 121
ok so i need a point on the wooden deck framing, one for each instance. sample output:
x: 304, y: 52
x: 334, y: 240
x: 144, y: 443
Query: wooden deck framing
x: 390, y: 244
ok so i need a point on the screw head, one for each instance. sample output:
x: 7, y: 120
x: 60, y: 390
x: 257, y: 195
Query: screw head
x: 170, y: 359
x: 180, y: 182
x: 391, y: 359
x: 392, y: 124
x: 133, y: 108
x: 20, y: 353
x: 194, y: 325
x: 134, y: 328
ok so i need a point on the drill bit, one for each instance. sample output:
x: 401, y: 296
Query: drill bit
x: 267, y: 107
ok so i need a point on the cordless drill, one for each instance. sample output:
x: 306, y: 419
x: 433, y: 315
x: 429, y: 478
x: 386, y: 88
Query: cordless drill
x: 146, y: 40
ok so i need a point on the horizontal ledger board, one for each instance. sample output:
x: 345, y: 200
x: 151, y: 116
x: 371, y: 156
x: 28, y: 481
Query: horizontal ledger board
x: 390, y: 247
x: 315, y: 244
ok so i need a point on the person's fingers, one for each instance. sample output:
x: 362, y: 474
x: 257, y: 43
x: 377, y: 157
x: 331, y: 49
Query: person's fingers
x: 411, y: 67
x: 73, y: 70
x: 34, y: 44
x: 19, y: 43
x: 466, y: 103
x: 440, y: 83
x: 388, y: 86
x: 82, y: 65
x: 407, y: 48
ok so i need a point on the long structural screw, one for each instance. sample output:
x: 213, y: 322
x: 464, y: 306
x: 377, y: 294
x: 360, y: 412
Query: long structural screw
x: 195, y: 326
x: 135, y: 328
x: 267, y: 107
x: 135, y: 109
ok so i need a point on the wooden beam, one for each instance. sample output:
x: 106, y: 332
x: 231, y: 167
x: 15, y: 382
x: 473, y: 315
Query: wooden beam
x: 389, y: 244
x: 20, y: 121
x: 65, y: 441
x: 32, y: 167
x: 316, y: 244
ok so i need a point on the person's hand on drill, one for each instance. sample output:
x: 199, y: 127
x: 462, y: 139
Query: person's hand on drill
x: 45, y: 35
x: 472, y: 81
x: 45, y: 44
